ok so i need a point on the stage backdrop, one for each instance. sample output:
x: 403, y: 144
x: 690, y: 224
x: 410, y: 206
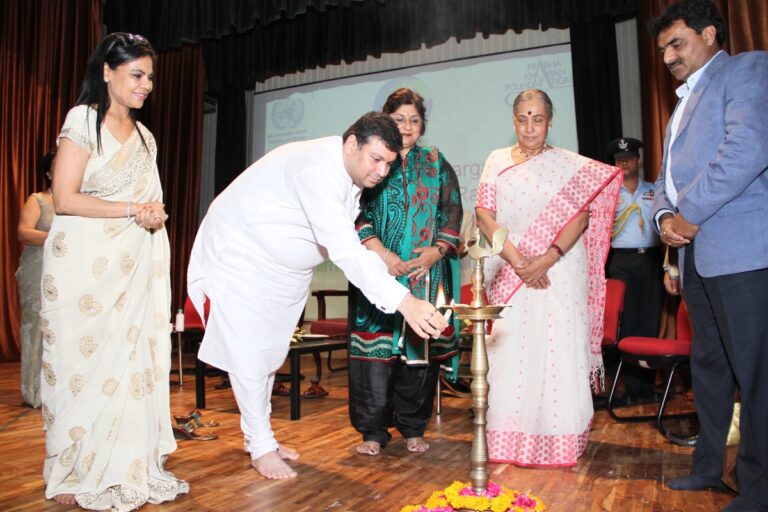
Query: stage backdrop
x: 469, y: 113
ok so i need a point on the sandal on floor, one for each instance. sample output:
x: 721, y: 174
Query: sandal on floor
x: 315, y: 390
x: 194, y: 417
x: 224, y: 384
x: 188, y: 431
x: 281, y: 389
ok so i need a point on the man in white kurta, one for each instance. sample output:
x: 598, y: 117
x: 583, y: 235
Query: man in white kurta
x: 254, y: 256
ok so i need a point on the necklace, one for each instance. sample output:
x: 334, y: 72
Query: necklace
x: 517, y: 148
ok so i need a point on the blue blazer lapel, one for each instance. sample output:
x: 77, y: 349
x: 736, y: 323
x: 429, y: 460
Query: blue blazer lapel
x: 716, y: 65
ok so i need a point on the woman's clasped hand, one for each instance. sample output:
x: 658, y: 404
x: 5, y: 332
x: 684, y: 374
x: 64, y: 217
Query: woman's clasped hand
x: 150, y: 215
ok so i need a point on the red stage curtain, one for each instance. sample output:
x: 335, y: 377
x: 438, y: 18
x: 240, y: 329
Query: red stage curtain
x: 44, y: 47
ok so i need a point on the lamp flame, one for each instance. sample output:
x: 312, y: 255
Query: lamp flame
x: 440, y: 298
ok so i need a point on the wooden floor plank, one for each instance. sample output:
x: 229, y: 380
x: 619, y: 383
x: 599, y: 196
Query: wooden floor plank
x: 624, y: 468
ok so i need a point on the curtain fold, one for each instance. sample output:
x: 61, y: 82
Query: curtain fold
x: 251, y: 41
x: 595, y: 86
x: 230, y: 137
x: 174, y: 115
x: 169, y: 23
x: 44, y: 48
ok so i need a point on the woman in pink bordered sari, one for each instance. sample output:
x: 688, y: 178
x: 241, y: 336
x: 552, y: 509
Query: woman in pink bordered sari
x: 545, y: 350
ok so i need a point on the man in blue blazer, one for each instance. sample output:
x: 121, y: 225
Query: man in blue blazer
x: 712, y: 202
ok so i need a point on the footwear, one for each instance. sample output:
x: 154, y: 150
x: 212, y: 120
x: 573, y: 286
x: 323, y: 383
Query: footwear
x: 688, y: 442
x: 281, y: 389
x: 188, y: 431
x: 194, y: 417
x: 743, y: 504
x: 694, y: 482
x: 224, y: 384
x: 315, y: 390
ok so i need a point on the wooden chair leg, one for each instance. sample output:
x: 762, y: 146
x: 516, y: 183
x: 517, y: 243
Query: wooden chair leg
x: 199, y: 384
x: 330, y: 352
x: 318, y: 366
x: 439, y: 395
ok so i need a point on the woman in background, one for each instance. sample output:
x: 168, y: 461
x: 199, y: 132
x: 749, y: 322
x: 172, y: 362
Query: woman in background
x: 558, y: 208
x: 411, y: 220
x: 106, y: 296
x: 34, y: 222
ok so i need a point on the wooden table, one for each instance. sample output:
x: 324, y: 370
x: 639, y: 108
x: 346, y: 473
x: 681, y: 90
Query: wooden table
x: 306, y: 347
x: 294, y: 354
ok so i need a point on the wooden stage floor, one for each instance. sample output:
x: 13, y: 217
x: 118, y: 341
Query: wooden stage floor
x: 624, y: 468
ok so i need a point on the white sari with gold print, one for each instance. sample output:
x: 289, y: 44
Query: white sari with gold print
x: 105, y: 323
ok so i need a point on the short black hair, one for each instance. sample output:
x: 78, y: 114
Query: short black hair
x: 405, y: 96
x: 376, y: 124
x: 45, y: 165
x: 696, y: 14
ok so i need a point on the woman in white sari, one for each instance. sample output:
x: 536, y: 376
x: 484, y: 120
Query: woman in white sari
x: 106, y: 297
x: 558, y: 207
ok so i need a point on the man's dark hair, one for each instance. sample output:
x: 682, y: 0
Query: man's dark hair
x: 696, y: 14
x: 376, y: 124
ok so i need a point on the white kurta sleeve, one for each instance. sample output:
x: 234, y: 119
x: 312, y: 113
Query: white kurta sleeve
x: 323, y: 198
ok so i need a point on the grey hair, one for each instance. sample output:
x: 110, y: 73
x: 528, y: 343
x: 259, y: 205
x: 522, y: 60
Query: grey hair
x: 530, y: 94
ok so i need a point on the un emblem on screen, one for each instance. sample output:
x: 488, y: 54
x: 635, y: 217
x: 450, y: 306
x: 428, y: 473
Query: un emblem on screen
x: 287, y: 113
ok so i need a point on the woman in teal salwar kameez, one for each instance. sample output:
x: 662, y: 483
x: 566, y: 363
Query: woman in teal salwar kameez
x: 412, y: 221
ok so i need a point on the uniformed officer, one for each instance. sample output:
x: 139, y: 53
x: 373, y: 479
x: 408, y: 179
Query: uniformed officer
x: 636, y: 259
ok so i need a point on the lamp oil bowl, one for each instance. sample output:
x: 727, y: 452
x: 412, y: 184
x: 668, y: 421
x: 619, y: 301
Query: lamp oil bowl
x: 467, y: 312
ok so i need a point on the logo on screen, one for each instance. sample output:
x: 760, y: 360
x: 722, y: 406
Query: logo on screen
x: 412, y: 83
x: 287, y: 113
x: 545, y: 74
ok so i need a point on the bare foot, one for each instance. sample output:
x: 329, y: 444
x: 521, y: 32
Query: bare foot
x: 287, y: 453
x: 271, y: 465
x: 416, y: 444
x: 65, y: 499
x: 369, y: 448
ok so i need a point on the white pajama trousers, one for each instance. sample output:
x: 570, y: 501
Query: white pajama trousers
x: 254, y: 399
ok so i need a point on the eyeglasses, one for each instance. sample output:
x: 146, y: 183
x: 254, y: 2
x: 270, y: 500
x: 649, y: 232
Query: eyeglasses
x: 401, y: 120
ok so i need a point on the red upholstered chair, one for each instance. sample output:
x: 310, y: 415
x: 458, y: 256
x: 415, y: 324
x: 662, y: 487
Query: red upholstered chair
x: 192, y: 320
x: 658, y: 354
x: 336, y: 328
x: 614, y: 308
